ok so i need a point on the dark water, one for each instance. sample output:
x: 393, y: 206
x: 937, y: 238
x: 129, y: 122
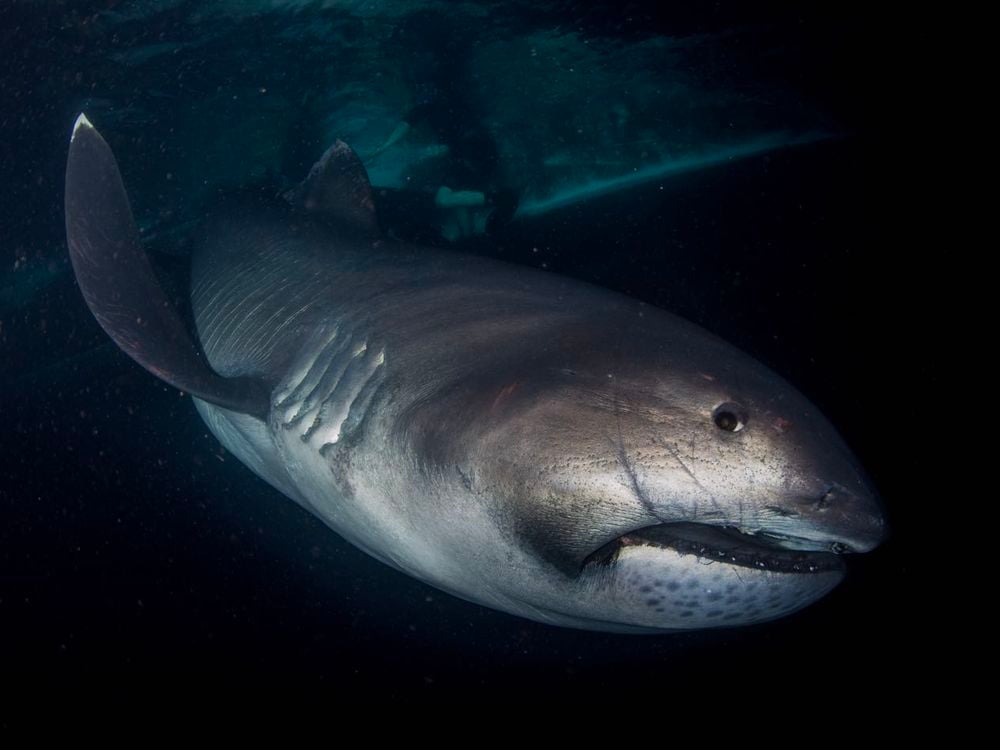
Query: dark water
x: 135, y: 551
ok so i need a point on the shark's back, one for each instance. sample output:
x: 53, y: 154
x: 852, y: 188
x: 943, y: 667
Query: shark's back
x: 255, y: 289
x: 264, y: 282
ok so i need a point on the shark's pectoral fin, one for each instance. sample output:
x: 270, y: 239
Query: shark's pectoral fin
x: 120, y: 287
x: 338, y: 189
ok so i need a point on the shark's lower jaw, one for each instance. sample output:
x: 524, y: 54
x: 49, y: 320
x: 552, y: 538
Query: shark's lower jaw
x: 720, y: 544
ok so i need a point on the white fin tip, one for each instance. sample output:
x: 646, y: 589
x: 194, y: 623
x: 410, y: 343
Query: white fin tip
x: 81, y: 122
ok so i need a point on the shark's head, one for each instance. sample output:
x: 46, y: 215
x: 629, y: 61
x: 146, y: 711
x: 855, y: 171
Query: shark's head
x: 657, y: 479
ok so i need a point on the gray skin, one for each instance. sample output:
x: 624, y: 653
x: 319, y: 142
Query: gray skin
x: 523, y: 440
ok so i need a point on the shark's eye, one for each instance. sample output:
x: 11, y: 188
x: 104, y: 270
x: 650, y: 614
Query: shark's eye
x: 729, y: 417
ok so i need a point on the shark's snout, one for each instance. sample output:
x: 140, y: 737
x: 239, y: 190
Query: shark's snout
x: 837, y: 519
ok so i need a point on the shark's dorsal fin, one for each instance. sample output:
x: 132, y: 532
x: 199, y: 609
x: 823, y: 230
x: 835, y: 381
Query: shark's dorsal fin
x: 338, y: 189
x: 120, y: 287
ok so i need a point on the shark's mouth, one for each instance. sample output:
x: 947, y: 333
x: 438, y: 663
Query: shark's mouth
x: 720, y: 544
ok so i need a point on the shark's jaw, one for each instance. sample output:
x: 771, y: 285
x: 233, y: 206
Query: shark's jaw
x: 724, y: 544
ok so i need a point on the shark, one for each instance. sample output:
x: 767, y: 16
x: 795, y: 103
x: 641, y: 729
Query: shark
x: 522, y: 440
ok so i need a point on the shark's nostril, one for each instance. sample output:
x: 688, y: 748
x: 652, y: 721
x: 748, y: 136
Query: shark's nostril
x: 828, y: 497
x: 821, y: 501
x: 825, y: 499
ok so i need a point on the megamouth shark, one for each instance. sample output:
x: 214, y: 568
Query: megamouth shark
x: 524, y: 441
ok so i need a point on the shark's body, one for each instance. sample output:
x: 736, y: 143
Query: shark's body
x: 519, y: 439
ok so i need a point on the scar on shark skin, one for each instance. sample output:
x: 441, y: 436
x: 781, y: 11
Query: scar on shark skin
x: 504, y: 394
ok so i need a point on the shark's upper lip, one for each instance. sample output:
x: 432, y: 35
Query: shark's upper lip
x: 723, y: 544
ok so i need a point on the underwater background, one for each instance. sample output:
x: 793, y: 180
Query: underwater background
x: 709, y: 158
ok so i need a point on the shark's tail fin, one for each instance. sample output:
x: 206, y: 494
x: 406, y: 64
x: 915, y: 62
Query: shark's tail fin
x: 120, y: 287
